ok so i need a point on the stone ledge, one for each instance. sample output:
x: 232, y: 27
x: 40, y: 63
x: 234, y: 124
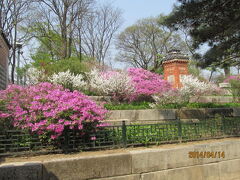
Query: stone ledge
x: 166, y: 115
x: 226, y: 170
x: 162, y: 159
x: 127, y: 177
x: 165, y: 163
x: 21, y: 171
x: 143, y: 115
x: 88, y: 167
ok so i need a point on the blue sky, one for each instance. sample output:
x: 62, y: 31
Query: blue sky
x: 134, y: 10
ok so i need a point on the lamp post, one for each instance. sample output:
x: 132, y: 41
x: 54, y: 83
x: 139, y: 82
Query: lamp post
x: 19, y: 47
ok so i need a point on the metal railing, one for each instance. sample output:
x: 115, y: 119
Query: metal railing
x: 14, y: 142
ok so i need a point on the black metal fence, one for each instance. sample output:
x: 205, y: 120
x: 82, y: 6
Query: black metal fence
x: 14, y: 142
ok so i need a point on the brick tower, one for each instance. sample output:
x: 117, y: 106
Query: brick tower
x: 175, y: 65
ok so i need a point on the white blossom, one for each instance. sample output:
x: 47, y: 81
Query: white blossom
x: 68, y: 80
x: 192, y: 87
x: 110, y: 83
x: 34, y: 75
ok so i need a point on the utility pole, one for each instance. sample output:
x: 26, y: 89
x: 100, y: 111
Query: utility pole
x: 19, y: 47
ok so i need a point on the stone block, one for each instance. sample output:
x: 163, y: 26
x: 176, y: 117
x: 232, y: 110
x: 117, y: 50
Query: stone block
x: 192, y: 114
x: 21, y: 171
x: 200, y: 172
x: 230, y: 149
x: 225, y: 99
x: 179, y: 157
x: 118, y: 122
x: 101, y: 98
x: 155, y: 114
x: 236, y: 112
x: 126, y: 177
x: 114, y: 115
x: 128, y: 114
x: 158, y: 175
x: 148, y: 160
x: 142, y: 115
x: 229, y: 170
x: 122, y: 114
x: 224, y: 85
x: 210, y: 171
x: 88, y: 167
x: 186, y: 173
x: 214, y: 112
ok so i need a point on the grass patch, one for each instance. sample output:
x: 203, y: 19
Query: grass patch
x: 131, y: 106
x: 171, y: 132
x: 146, y: 105
x: 198, y: 105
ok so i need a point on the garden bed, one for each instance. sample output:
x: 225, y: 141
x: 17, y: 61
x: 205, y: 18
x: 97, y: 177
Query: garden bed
x: 147, y: 105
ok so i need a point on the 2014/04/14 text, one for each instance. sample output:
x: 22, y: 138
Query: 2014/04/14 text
x: 206, y: 154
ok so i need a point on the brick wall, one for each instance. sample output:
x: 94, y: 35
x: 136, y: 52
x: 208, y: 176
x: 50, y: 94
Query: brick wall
x: 3, y: 77
x: 4, y: 52
x: 173, y: 70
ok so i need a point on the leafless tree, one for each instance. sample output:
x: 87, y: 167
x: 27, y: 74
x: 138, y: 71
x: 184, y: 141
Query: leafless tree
x: 60, y: 16
x: 143, y: 43
x: 12, y: 13
x: 98, y: 31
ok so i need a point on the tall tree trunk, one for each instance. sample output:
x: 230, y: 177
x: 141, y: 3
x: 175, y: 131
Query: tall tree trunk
x: 14, y: 48
x: 64, y: 33
x: 70, y: 47
x: 210, y: 77
x: 226, y: 71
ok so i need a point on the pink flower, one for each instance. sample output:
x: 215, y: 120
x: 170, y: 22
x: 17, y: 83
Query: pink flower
x: 67, y: 123
x: 48, y: 108
x: 93, y: 138
x: 147, y: 83
x: 4, y: 115
x: 54, y: 136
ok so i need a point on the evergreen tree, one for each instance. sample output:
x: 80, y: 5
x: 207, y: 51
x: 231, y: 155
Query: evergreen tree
x: 214, y: 22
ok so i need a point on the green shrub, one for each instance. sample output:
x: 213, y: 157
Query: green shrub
x: 133, y: 105
x: 199, y: 105
x: 235, y: 88
x: 5, y: 123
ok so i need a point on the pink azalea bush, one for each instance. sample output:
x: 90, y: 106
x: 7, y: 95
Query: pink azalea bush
x: 234, y: 81
x: 49, y: 109
x: 147, y: 83
x: 229, y: 78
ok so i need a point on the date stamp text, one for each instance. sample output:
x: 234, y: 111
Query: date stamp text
x: 206, y: 154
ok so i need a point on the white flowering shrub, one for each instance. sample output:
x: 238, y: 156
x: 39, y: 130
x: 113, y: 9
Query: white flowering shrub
x: 68, y: 80
x: 35, y: 76
x: 169, y: 97
x: 192, y: 87
x: 111, y: 83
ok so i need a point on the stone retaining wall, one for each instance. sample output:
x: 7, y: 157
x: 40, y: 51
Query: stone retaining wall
x: 156, y: 116
x: 203, y: 99
x: 215, y: 99
x: 149, y: 164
